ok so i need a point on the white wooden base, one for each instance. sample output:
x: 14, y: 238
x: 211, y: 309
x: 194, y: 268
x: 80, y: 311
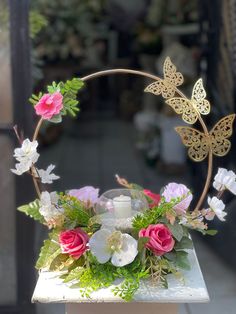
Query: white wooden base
x: 122, y: 308
x: 51, y: 289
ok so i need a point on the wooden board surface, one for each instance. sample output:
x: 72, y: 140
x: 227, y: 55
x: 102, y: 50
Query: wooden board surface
x: 50, y: 289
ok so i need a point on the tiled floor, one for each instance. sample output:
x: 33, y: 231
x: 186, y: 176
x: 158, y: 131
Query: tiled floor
x: 92, y: 154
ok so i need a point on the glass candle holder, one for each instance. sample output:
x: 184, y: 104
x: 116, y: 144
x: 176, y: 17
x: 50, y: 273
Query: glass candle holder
x: 117, y: 207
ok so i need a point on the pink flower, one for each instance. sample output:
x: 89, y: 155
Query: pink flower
x: 74, y: 242
x: 154, y: 197
x: 174, y: 191
x: 161, y: 240
x: 87, y: 194
x: 49, y: 105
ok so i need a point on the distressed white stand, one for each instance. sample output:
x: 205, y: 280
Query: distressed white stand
x: 148, y: 299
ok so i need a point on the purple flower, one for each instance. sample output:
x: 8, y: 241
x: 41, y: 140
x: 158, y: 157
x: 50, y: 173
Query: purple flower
x: 87, y: 194
x: 174, y: 191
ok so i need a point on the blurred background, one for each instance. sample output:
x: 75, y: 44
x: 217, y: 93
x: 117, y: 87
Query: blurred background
x: 119, y: 128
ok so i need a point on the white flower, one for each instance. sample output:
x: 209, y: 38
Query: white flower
x: 21, y: 168
x: 107, y: 244
x: 27, y: 152
x: 46, y: 176
x: 49, y: 207
x: 225, y: 179
x: 216, y: 208
x: 26, y: 155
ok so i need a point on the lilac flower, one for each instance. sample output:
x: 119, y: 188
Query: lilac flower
x: 174, y: 191
x: 87, y: 194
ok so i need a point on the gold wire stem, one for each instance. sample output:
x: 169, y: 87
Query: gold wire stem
x: 33, y: 169
x: 37, y: 129
x: 154, y: 77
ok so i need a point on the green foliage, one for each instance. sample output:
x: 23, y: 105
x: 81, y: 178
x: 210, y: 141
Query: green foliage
x: 69, y: 90
x: 49, y: 251
x: 37, y: 22
x: 179, y: 259
x: 32, y: 210
x: 177, y: 231
x: 74, y: 274
x: 208, y: 232
x: 182, y: 260
x: 34, y: 99
x: 58, y: 263
x: 141, y: 243
x: 96, y: 276
x: 75, y: 212
x: 127, y: 289
x: 150, y: 216
x: 158, y: 268
x: 185, y: 243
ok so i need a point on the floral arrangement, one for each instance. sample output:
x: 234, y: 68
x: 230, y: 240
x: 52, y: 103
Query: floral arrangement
x: 131, y: 234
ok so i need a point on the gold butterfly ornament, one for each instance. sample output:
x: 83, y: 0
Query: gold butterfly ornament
x: 167, y: 86
x: 201, y: 144
x: 191, y: 108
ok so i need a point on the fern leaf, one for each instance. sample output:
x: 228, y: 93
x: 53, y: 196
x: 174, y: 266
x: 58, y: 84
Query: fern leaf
x: 32, y: 210
x: 48, y: 253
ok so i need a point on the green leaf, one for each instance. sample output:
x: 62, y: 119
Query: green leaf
x: 74, y: 274
x: 34, y: 99
x: 48, y: 252
x: 127, y: 289
x: 32, y: 210
x: 211, y: 232
x: 56, y: 119
x: 171, y: 256
x: 141, y: 243
x: 182, y: 260
x: 185, y: 243
x: 53, y: 88
x: 69, y: 90
x: 58, y: 262
x: 176, y: 230
x: 75, y: 213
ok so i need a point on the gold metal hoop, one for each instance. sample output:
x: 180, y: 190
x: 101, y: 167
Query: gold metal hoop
x: 155, y: 78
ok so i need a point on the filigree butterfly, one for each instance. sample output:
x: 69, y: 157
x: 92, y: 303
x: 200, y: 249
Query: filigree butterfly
x: 190, y: 109
x: 166, y: 86
x: 200, y: 144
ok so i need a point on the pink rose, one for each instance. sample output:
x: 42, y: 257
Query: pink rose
x: 74, y: 242
x: 160, y: 239
x: 154, y: 197
x: 49, y: 105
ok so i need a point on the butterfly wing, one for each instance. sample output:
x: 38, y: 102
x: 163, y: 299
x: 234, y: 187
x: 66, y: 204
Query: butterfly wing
x: 183, y: 106
x: 220, y: 134
x: 171, y: 76
x: 198, y: 98
x: 155, y: 88
x: 168, y: 90
x: 196, y: 141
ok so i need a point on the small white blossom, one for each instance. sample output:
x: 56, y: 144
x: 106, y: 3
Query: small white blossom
x: 225, y: 179
x: 46, y: 176
x: 21, y: 168
x: 27, y: 152
x: 49, y: 207
x: 26, y: 155
x: 216, y: 208
x: 106, y: 244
